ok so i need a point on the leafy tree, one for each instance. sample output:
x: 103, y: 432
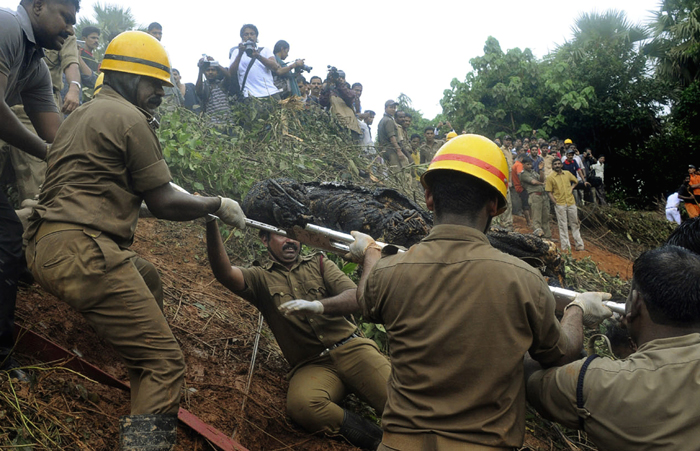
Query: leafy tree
x: 676, y: 43
x: 111, y: 20
x: 511, y: 93
x: 624, y: 111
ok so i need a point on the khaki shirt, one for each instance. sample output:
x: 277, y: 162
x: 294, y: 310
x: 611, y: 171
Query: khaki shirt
x: 509, y: 159
x: 560, y: 187
x: 300, y: 338
x: 528, y: 176
x: 385, y: 130
x: 460, y: 315
x: 104, y: 158
x: 59, y: 60
x: 428, y: 151
x: 648, y: 401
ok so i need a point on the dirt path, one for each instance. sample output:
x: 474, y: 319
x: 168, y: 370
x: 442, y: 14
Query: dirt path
x: 607, y: 261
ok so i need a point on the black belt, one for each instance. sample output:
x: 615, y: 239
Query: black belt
x: 339, y: 344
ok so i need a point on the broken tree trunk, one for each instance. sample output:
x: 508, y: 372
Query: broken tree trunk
x: 383, y: 213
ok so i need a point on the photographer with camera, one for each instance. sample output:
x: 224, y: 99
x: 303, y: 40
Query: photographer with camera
x: 213, y: 91
x: 284, y: 77
x: 337, y: 96
x: 254, y: 66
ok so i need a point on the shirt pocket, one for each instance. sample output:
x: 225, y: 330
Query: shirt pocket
x: 314, y: 289
x: 281, y: 294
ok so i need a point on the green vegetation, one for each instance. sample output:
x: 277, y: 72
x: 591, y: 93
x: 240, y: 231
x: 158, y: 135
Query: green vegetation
x: 598, y: 90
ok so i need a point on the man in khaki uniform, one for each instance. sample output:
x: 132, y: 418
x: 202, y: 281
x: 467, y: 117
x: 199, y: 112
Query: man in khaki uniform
x: 29, y: 170
x: 431, y: 145
x: 505, y: 219
x: 537, y: 198
x: 105, y: 161
x: 460, y: 315
x: 328, y: 357
x: 647, y: 401
x: 388, y: 137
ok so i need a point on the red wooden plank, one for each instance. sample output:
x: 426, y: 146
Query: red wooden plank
x: 31, y: 343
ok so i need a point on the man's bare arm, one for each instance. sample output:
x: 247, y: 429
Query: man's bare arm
x: 14, y: 133
x: 344, y: 303
x: 229, y: 276
x: 72, y: 100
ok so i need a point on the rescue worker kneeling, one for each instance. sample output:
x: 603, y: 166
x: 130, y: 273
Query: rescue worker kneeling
x: 104, y: 162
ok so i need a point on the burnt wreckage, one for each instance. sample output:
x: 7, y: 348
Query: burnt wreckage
x: 383, y: 213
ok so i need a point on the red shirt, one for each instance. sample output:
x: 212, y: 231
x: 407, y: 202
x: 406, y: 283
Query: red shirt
x: 515, y: 176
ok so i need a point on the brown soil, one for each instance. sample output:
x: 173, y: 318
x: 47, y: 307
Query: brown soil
x: 216, y: 332
x: 607, y: 261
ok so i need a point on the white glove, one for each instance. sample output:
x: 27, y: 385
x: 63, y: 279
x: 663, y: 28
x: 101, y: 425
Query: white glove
x: 359, y: 246
x: 594, y: 311
x: 230, y: 213
x: 301, y: 307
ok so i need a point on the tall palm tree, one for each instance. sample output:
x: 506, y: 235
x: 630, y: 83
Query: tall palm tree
x: 676, y: 43
x: 111, y: 20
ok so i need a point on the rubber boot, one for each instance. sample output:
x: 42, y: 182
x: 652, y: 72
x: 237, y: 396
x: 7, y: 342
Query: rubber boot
x: 360, y: 432
x: 147, y: 432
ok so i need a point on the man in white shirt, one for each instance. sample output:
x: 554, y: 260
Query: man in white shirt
x: 366, y: 141
x: 672, y: 213
x: 258, y: 82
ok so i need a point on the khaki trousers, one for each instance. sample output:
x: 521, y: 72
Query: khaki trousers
x: 120, y: 296
x: 430, y: 442
x: 317, y: 387
x: 567, y: 216
x: 539, y: 206
x: 505, y: 219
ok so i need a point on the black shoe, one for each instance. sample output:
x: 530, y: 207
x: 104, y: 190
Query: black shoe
x: 360, y: 432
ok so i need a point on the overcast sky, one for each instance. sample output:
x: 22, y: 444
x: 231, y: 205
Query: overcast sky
x: 415, y: 48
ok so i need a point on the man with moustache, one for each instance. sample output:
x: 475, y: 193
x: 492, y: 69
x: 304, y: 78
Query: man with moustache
x: 106, y: 160
x: 25, y: 78
x: 647, y: 400
x: 328, y: 357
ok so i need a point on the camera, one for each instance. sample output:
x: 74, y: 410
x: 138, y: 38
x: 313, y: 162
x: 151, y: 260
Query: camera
x: 249, y: 48
x: 333, y: 73
x: 204, y: 64
x: 306, y: 68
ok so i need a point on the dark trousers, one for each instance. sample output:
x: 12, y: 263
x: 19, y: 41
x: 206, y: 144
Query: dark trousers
x: 10, y: 261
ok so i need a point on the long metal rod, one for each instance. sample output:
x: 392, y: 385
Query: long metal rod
x: 569, y: 295
x: 338, y: 240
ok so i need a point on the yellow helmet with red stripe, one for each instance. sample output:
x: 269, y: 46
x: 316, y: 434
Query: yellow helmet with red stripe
x: 477, y: 156
x: 138, y: 53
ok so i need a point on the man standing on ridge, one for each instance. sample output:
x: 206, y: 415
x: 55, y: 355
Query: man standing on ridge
x: 105, y: 161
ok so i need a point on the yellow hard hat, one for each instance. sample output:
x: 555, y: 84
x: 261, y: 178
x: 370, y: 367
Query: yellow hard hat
x: 138, y: 53
x: 450, y: 135
x: 98, y: 84
x: 475, y: 155
x: 568, y: 141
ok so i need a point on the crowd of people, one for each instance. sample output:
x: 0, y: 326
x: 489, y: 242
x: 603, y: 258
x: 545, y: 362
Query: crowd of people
x: 466, y: 324
x: 688, y: 194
